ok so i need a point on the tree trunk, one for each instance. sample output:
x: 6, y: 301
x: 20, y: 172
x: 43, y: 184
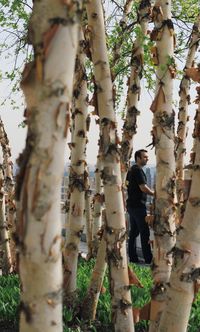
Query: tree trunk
x: 163, y: 136
x: 90, y: 301
x: 111, y: 175
x: 119, y: 39
x: 88, y: 218
x: 184, y: 280
x: 133, y: 97
x: 78, y: 175
x: 98, y: 201
x: 127, y: 10
x: 183, y: 118
x: 99, y: 196
x: 9, y: 202
x: 7, y: 266
x: 47, y: 85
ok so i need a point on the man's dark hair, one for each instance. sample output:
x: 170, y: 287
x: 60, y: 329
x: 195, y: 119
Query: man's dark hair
x: 138, y: 153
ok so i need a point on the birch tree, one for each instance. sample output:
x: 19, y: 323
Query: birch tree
x: 183, y: 117
x: 90, y: 302
x: 184, y: 280
x: 78, y: 175
x: 6, y: 263
x: 100, y: 265
x: 98, y: 204
x: 8, y: 203
x: 47, y: 85
x: 115, y: 52
x: 163, y: 138
x: 88, y: 217
x: 134, y: 89
x: 115, y: 227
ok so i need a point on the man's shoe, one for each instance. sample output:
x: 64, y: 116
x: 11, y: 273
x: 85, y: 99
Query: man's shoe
x: 134, y: 261
x: 148, y: 262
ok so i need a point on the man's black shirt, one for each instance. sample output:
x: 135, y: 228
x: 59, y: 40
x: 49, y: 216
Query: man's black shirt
x: 136, y: 177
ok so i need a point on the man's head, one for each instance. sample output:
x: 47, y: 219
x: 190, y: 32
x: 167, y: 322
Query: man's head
x: 141, y: 157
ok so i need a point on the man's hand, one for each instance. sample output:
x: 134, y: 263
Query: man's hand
x: 145, y: 189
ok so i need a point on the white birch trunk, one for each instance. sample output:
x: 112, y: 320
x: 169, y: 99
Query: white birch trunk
x: 185, y: 274
x: 98, y: 204
x: 47, y: 85
x: 126, y: 11
x: 7, y: 266
x: 88, y: 218
x: 78, y: 175
x: 183, y: 118
x: 119, y: 39
x: 8, y: 193
x: 133, y: 96
x: 111, y: 175
x: 163, y: 135
x: 90, y: 301
x: 99, y: 196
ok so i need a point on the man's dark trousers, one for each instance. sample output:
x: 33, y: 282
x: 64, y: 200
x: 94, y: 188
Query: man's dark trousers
x: 138, y: 226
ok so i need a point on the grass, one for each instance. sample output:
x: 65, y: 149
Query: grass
x: 10, y: 295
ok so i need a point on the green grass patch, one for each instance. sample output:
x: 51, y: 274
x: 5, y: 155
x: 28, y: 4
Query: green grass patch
x: 10, y: 297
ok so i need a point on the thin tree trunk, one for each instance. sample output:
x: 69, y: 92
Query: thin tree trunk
x: 111, y: 175
x: 98, y: 202
x: 7, y: 266
x: 88, y: 218
x: 183, y: 118
x: 78, y: 175
x: 99, y: 196
x: 184, y: 280
x: 119, y: 39
x: 9, y: 193
x: 47, y: 85
x: 126, y: 11
x: 90, y: 302
x: 163, y: 136
x: 133, y: 97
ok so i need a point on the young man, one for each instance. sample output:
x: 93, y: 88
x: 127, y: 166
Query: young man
x: 138, y: 190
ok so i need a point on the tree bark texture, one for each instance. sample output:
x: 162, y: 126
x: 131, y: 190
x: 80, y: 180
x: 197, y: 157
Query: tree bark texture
x: 98, y: 203
x: 88, y: 218
x: 122, y: 28
x: 9, y: 193
x: 99, y: 196
x: 163, y: 138
x: 6, y: 263
x: 134, y: 90
x: 78, y: 175
x: 90, y: 301
x: 47, y: 84
x: 184, y: 280
x: 184, y: 118
x: 111, y: 174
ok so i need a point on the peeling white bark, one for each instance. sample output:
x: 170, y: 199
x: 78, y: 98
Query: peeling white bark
x: 184, y: 280
x: 78, y: 175
x: 47, y: 85
x: 163, y: 134
x: 134, y: 89
x: 7, y: 266
x: 111, y: 174
x: 98, y: 200
x: 184, y: 118
x: 8, y: 204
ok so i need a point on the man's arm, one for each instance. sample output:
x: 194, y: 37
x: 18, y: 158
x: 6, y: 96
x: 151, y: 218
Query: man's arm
x: 145, y: 189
